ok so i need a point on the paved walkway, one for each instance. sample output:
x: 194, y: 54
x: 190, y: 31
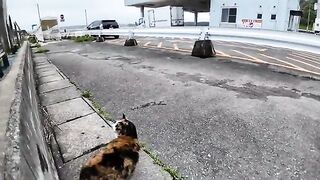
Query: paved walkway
x: 78, y: 129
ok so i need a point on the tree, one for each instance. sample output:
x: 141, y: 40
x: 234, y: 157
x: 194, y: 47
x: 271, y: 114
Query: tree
x: 305, y: 6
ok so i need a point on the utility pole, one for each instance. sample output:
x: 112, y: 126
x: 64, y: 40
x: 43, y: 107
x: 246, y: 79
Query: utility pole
x: 86, y: 16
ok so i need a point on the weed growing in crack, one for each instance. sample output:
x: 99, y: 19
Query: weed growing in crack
x: 156, y: 160
x: 87, y: 94
x: 100, y: 110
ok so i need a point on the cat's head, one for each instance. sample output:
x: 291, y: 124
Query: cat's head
x: 124, y: 127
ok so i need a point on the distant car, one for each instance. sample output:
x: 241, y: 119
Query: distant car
x: 104, y: 24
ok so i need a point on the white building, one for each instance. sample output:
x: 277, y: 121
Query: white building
x: 279, y: 15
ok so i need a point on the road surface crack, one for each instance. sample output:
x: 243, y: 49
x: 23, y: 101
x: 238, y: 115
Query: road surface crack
x: 153, y: 103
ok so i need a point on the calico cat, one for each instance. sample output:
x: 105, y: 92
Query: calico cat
x: 118, y: 159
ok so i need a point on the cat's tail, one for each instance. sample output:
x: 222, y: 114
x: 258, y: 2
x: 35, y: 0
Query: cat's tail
x: 87, y: 173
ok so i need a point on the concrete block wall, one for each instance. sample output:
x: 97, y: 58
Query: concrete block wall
x: 27, y: 155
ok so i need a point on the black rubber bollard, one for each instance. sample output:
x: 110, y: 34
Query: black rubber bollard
x: 100, y: 39
x: 5, y: 61
x: 131, y: 42
x: 203, y: 49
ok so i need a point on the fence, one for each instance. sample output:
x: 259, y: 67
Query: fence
x: 291, y: 40
x: 13, y: 40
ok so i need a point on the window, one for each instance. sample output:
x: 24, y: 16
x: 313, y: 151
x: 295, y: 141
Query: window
x: 229, y: 15
x: 273, y: 17
x: 259, y: 16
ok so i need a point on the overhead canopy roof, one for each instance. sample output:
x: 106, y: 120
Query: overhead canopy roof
x: 189, y: 5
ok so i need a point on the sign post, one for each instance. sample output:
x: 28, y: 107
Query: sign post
x: 62, y: 18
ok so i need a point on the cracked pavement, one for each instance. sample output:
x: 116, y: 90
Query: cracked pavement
x: 205, y: 117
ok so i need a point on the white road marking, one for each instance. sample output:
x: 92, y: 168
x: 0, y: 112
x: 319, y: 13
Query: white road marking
x: 159, y: 45
x: 303, y: 63
x: 252, y: 57
x: 290, y: 64
x: 146, y: 44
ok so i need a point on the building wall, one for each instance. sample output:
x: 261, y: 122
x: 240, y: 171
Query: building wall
x: 248, y: 9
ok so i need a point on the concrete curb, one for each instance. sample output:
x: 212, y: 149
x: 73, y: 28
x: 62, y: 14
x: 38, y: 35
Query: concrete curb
x: 27, y: 155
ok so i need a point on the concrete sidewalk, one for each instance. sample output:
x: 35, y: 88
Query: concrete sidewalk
x: 78, y: 130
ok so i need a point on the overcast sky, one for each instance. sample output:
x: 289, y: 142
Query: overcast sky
x: 25, y: 11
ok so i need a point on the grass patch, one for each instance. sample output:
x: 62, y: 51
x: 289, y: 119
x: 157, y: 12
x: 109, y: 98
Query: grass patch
x: 41, y: 50
x: 37, y: 45
x: 85, y: 38
x: 100, y: 110
x: 156, y: 160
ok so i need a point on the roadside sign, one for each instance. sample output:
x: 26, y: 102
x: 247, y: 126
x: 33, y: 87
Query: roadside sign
x: 252, y: 23
x: 62, y: 18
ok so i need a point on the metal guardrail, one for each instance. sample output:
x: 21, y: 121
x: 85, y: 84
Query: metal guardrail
x: 290, y: 40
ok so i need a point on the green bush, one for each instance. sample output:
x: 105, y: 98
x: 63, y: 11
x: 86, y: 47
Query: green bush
x: 85, y: 38
x: 32, y: 39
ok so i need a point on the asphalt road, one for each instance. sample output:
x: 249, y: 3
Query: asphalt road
x: 299, y: 60
x: 205, y: 117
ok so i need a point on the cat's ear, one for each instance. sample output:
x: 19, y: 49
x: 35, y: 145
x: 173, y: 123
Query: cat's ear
x: 124, y: 116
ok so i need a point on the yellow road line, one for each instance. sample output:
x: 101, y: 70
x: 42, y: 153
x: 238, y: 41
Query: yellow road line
x: 303, y: 62
x: 317, y: 62
x: 159, y: 45
x: 252, y: 57
x: 246, y: 47
x: 222, y: 53
x: 290, y: 64
x: 307, y: 55
x: 147, y: 43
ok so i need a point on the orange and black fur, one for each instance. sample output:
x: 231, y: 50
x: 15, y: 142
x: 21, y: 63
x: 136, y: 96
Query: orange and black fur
x: 118, y: 159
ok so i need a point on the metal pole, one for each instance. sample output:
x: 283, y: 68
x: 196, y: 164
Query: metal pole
x: 86, y: 15
x: 39, y: 13
x: 309, y: 16
x: 17, y: 34
x: 196, y: 18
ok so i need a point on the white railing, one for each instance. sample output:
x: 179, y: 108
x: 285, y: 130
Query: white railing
x: 290, y: 40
